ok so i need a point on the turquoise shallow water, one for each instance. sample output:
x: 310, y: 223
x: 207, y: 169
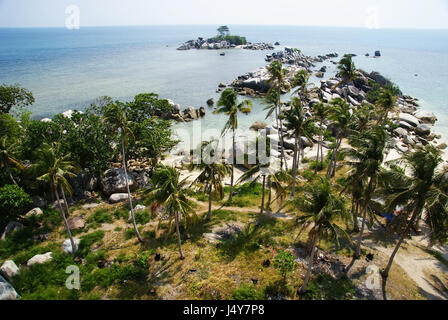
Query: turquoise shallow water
x: 69, y: 69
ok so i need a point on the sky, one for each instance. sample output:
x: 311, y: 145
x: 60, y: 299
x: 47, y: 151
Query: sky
x: 416, y: 14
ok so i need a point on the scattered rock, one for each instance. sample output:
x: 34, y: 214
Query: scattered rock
x: 118, y: 197
x: 40, y: 259
x: 413, y: 121
x: 114, y: 181
x: 90, y: 205
x: 423, y: 130
x: 76, y: 223
x: 210, y: 102
x: 35, y: 212
x: 67, y: 245
x: 11, y: 227
x: 9, y: 269
x: 7, y: 292
x: 426, y: 116
x: 377, y: 53
x: 442, y: 146
x: 222, y: 85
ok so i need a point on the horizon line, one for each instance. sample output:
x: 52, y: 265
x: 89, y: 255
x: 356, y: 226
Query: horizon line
x: 243, y: 24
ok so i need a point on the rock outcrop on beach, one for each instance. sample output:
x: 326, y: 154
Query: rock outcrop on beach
x: 209, y: 44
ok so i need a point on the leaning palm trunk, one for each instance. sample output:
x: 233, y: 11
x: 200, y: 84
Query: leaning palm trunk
x: 304, y: 286
x: 67, y: 228
x: 233, y: 166
x: 262, y: 196
x: 129, y: 192
x: 357, y: 253
x: 209, y: 214
x: 280, y: 137
x: 179, y: 244
x: 333, y: 162
x: 9, y: 173
x: 385, y: 273
x: 294, y: 167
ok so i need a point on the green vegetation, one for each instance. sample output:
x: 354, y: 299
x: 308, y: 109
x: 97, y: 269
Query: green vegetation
x: 13, y: 203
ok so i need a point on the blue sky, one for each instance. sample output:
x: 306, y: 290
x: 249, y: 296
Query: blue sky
x: 342, y: 13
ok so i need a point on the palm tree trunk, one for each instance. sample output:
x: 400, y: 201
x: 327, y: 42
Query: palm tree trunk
x: 355, y: 216
x: 385, y: 273
x: 280, y: 137
x: 304, y: 286
x: 209, y: 214
x: 262, y: 196
x: 9, y: 172
x: 270, y: 191
x: 318, y: 151
x: 233, y: 165
x: 179, y: 244
x: 129, y: 191
x: 67, y: 211
x: 67, y: 228
x: 357, y: 253
x: 294, y: 167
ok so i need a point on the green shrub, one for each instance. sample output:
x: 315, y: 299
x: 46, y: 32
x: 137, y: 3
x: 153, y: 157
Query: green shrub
x: 87, y: 241
x: 13, y: 203
x: 248, y: 292
x: 325, y: 287
x: 142, y: 217
x: 285, y: 263
x: 100, y: 216
x: 46, y: 281
x: 108, y: 276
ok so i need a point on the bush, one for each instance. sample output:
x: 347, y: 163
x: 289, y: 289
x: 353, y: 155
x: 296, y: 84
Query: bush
x: 285, y: 263
x: 248, y: 292
x: 325, y: 287
x: 142, y: 217
x: 13, y: 203
x: 87, y: 241
x: 46, y: 281
x: 100, y: 216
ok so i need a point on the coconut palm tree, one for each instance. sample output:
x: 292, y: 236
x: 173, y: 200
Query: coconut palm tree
x: 424, y: 190
x: 212, y: 174
x: 300, y: 127
x: 387, y: 102
x: 320, y: 112
x: 228, y: 104
x: 54, y: 168
x: 263, y: 172
x: 342, y: 117
x: 366, y: 156
x: 171, y: 193
x: 301, y: 82
x: 321, y: 207
x: 7, y: 158
x: 364, y: 115
x: 115, y: 115
x: 347, y: 70
x: 279, y: 84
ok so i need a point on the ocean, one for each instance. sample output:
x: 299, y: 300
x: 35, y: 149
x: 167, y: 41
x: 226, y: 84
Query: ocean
x: 69, y: 69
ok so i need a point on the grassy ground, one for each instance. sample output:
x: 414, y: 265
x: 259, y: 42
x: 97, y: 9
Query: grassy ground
x: 114, y: 265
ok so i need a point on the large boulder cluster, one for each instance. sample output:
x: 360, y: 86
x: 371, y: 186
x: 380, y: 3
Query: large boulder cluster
x: 209, y: 44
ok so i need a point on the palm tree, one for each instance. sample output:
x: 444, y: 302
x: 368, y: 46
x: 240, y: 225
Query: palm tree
x: 55, y: 168
x: 212, y: 174
x: 364, y: 114
x: 300, y: 127
x: 171, y: 193
x: 320, y: 111
x: 387, y: 102
x: 228, y: 104
x: 366, y: 156
x: 425, y: 189
x: 321, y: 208
x: 264, y: 171
x: 278, y: 84
x: 301, y: 82
x: 115, y: 114
x: 342, y: 116
x: 347, y: 70
x: 7, y: 158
